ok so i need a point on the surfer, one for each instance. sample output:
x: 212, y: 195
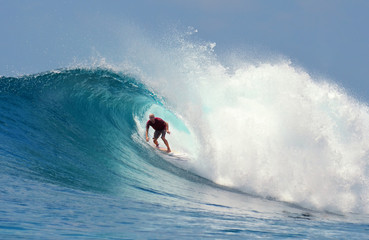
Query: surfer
x: 161, y: 128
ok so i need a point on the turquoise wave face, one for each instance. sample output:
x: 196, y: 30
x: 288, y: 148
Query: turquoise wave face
x: 80, y: 128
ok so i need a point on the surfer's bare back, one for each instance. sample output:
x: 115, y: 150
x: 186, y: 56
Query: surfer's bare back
x: 161, y: 128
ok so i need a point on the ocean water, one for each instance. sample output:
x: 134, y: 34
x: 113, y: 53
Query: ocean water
x: 270, y: 152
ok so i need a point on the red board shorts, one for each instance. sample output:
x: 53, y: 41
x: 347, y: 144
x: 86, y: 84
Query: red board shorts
x: 157, y: 133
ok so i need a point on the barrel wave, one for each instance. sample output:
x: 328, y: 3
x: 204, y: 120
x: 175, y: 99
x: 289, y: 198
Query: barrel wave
x: 77, y: 128
x: 74, y: 139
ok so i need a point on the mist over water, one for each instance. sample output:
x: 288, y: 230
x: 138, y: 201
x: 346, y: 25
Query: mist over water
x: 268, y: 129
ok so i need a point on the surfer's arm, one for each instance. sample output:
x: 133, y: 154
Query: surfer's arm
x: 167, y: 127
x: 147, y: 134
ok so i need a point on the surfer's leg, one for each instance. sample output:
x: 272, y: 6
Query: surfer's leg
x: 166, y: 143
x: 156, y: 142
x: 156, y: 136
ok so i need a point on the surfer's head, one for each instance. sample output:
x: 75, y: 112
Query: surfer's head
x: 152, y: 117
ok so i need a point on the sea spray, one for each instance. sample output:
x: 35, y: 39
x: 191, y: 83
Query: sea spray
x: 268, y: 129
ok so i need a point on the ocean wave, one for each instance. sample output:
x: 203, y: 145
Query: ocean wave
x: 266, y: 130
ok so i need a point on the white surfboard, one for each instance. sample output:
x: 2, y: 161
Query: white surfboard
x: 173, y: 154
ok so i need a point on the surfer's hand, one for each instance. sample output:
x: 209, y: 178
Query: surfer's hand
x: 147, y: 139
x: 168, y: 131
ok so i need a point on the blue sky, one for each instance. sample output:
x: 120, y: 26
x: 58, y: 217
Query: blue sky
x: 327, y: 38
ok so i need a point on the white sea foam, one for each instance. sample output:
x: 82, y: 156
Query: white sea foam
x: 268, y: 129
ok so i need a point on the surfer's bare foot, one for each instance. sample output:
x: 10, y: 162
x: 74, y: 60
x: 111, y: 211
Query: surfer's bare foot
x: 168, y: 151
x: 157, y: 146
